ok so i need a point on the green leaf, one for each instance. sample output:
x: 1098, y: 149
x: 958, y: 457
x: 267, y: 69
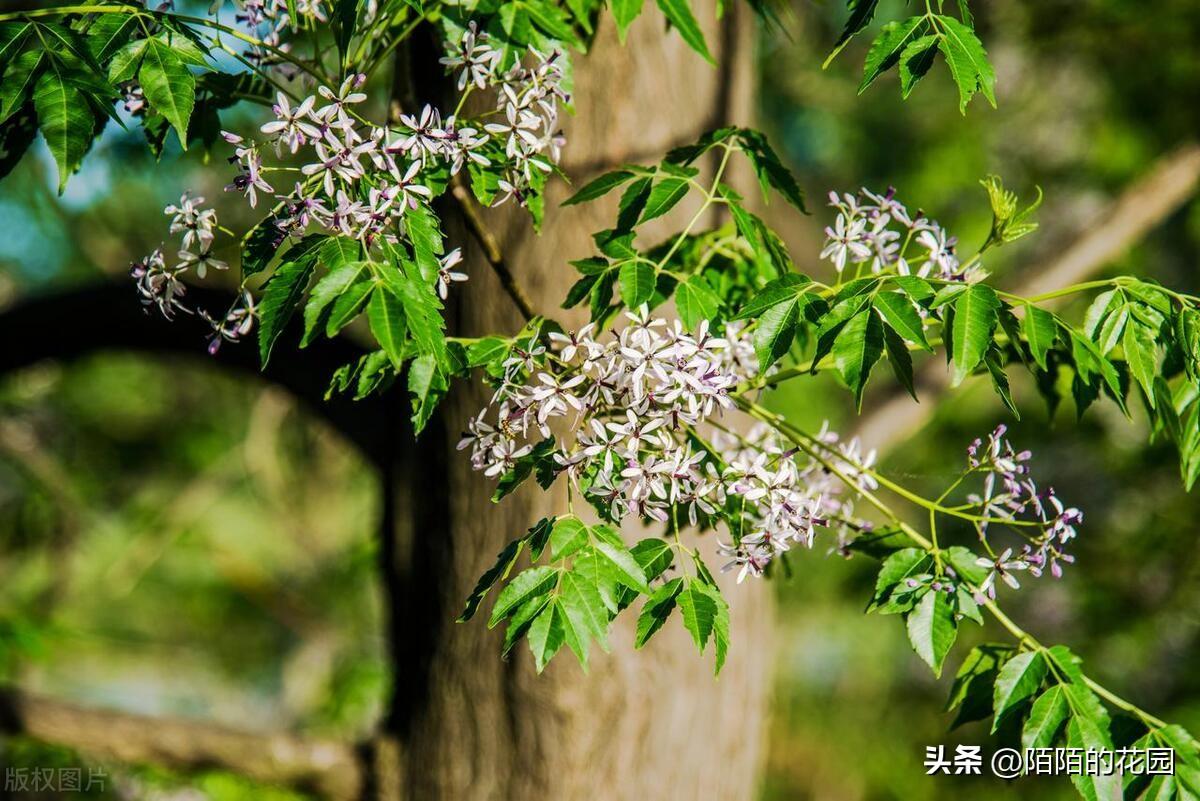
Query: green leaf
x: 323, y: 294
x: 546, y: 635
x: 695, y: 300
x: 522, y: 620
x: 625, y: 12
x: 422, y: 313
x: 624, y: 567
x: 1110, y: 332
x: 902, y: 316
x: 855, y: 351
x: 975, y: 681
x: 347, y: 306
x: 629, y: 209
x: 12, y: 36
x: 169, y: 87
x: 17, y: 82
x: 663, y: 197
x: 586, y: 617
x: 1088, y: 730
x: 720, y: 622
x: 976, y: 314
x: 598, y: 187
x: 109, y: 33
x: 963, y: 561
x: 896, y: 568
x: 915, y: 62
x: 568, y: 536
x: 1065, y: 664
x: 900, y: 359
x: 338, y: 251
x: 656, y: 611
x: 551, y: 19
x: 679, y: 14
x: 861, y: 12
x: 1141, y: 354
x: 126, y: 61
x: 281, y: 296
x: 699, y: 611
x: 504, y: 563
x: 599, y: 570
x: 389, y: 325
x: 775, y: 331
x: 1018, y: 680
x: 637, y: 283
x: 999, y: 378
x: 259, y: 246
x: 66, y: 121
x: 968, y: 62
x: 1040, y: 331
x: 654, y: 555
x: 422, y: 227
x: 538, y: 536
x: 1187, y: 750
x: 885, y: 52
x: 785, y: 288
x: 932, y: 629
x: 525, y: 585
x: 427, y: 385
x: 770, y: 169
x: 16, y: 135
x: 1045, y: 718
x: 616, y: 244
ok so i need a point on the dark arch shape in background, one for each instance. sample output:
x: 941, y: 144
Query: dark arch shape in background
x: 107, y: 317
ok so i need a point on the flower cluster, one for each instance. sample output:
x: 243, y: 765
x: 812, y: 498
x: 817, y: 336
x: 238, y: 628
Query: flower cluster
x: 1010, y: 496
x: 635, y: 409
x: 268, y: 22
x: 359, y: 179
x: 877, y: 232
x: 783, y: 495
x: 528, y: 99
x: 161, y: 285
x: 634, y: 400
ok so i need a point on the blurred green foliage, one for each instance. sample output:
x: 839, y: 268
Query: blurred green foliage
x: 1090, y: 94
x: 176, y: 541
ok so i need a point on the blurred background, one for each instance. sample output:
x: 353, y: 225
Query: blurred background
x: 179, y: 540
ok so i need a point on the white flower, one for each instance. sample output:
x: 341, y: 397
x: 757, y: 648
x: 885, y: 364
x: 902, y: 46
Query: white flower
x: 292, y: 128
x: 194, y: 222
x: 476, y: 58
x: 446, y: 275
x: 846, y: 242
x: 200, y: 261
x: 1001, y: 567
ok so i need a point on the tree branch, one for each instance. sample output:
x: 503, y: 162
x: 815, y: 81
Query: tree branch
x: 332, y: 770
x: 491, y: 248
x: 1124, y: 221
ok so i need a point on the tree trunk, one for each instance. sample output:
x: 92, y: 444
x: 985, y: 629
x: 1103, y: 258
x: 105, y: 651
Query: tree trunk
x: 648, y: 724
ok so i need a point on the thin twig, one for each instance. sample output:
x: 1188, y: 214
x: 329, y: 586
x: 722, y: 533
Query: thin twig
x: 491, y: 248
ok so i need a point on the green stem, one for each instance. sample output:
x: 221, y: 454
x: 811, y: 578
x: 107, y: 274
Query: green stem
x: 708, y: 201
x: 1023, y: 637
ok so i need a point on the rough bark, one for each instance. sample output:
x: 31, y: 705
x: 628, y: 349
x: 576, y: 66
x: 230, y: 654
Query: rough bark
x: 651, y: 724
